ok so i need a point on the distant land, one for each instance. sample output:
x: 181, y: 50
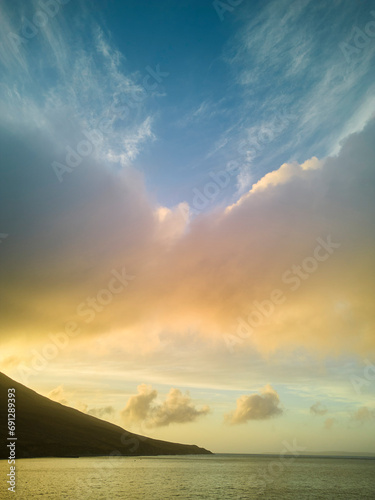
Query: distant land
x: 45, y: 428
x: 339, y: 454
x: 311, y: 454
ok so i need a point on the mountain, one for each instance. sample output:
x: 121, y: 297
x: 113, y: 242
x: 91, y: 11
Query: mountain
x: 45, y: 428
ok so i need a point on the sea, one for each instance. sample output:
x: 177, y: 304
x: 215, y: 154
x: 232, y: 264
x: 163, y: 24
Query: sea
x: 219, y: 476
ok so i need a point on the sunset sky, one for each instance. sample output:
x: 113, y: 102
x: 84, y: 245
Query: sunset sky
x: 187, y: 231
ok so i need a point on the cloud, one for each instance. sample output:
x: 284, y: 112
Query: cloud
x: 176, y: 409
x: 363, y: 415
x: 65, y: 239
x: 132, y: 143
x: 318, y: 409
x: 67, y: 398
x: 9, y: 362
x: 329, y: 423
x: 104, y: 412
x: 285, y: 173
x: 90, y: 84
x: 58, y: 394
x: 283, y: 43
x: 201, y: 275
x: 138, y: 407
x: 256, y: 407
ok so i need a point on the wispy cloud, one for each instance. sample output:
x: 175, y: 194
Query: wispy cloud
x: 293, y: 44
x: 132, y: 144
x: 86, y: 82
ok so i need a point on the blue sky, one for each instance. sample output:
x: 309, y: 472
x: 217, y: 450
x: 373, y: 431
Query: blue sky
x: 208, y: 152
x: 231, y: 79
x: 267, y: 84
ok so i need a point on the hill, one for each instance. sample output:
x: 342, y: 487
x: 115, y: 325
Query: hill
x: 45, y: 428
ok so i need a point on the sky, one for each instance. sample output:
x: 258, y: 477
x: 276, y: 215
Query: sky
x: 187, y: 216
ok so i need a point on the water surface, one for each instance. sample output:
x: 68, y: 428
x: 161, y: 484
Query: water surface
x: 192, y: 477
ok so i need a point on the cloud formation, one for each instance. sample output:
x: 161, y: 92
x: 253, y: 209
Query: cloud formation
x: 58, y: 394
x: 104, y: 412
x: 329, y: 423
x: 363, y: 415
x: 176, y: 409
x: 138, y: 407
x: 202, y: 275
x: 65, y: 239
x: 318, y: 409
x: 256, y: 407
x: 283, y: 43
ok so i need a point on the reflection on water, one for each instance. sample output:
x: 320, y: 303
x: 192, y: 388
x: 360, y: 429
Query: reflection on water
x: 192, y: 477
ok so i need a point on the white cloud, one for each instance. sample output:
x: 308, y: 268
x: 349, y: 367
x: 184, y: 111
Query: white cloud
x: 285, y: 173
x: 177, y: 408
x: 131, y: 144
x: 256, y: 407
x: 90, y: 83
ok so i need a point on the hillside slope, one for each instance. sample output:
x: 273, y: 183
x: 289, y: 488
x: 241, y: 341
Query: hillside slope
x: 45, y: 428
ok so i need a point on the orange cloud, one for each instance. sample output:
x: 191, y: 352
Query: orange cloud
x: 204, y: 275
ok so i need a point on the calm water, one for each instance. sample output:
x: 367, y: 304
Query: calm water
x: 206, y: 477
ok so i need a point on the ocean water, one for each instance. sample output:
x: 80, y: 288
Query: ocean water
x: 191, y: 477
